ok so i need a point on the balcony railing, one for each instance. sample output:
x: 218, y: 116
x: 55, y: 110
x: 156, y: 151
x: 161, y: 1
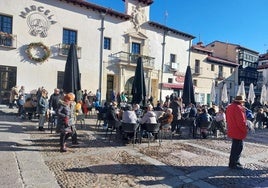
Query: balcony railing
x: 129, y: 58
x: 64, y: 49
x: 8, y: 40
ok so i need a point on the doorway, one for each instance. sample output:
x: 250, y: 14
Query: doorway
x: 8, y: 77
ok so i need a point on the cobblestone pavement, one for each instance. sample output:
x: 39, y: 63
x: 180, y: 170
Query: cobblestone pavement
x: 100, y: 162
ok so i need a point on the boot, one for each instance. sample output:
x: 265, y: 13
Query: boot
x: 63, y: 148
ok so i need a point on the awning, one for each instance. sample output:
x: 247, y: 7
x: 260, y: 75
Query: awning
x: 173, y: 85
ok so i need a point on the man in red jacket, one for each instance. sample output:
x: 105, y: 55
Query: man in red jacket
x: 237, y: 130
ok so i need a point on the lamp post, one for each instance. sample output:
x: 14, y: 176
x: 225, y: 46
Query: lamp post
x: 163, y: 61
x: 102, y: 15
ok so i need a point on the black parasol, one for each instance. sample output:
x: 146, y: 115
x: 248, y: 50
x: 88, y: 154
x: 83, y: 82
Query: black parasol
x: 188, y: 89
x: 71, y: 81
x: 138, y: 87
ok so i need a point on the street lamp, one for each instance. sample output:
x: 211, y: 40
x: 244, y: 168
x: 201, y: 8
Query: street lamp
x: 102, y: 15
x: 163, y: 61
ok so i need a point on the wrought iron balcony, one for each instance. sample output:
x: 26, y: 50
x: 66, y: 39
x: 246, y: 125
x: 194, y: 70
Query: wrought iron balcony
x: 131, y: 59
x: 64, y: 49
x: 8, y: 40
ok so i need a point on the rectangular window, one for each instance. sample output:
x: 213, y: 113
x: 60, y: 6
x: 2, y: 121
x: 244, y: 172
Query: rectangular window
x: 197, y: 66
x: 231, y: 70
x: 220, y: 72
x: 69, y: 36
x: 212, y: 67
x: 172, y: 58
x: 107, y: 43
x: 5, y: 27
x: 195, y: 82
x: 136, y: 48
x: 170, y: 80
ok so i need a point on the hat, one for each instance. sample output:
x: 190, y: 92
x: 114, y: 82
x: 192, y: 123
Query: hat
x: 239, y: 98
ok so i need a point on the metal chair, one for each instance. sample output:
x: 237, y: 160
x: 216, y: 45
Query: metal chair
x: 165, y: 131
x: 152, y: 128
x: 112, y: 125
x: 100, y: 119
x: 128, y: 128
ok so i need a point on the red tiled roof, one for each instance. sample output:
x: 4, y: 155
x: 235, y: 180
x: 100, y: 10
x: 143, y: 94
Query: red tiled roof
x: 201, y: 48
x: 222, y: 61
x: 98, y: 8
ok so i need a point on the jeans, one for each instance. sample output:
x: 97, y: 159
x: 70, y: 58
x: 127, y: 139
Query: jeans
x: 236, y: 150
x: 42, y: 118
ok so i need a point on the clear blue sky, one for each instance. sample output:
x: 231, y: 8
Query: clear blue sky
x: 243, y: 22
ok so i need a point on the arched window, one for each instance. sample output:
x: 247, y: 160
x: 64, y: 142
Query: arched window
x: 128, y: 88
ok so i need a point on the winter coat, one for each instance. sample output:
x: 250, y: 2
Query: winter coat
x: 129, y: 117
x: 165, y: 119
x: 42, y: 105
x: 149, y: 117
x: 236, y: 121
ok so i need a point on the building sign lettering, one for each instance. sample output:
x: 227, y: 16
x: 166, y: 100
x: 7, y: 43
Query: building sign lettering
x: 38, y: 19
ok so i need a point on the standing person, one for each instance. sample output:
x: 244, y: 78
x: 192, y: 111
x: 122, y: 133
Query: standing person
x: 14, y: 94
x: 237, y: 130
x: 73, y: 118
x: 42, y: 109
x: 54, y: 104
x: 176, y: 112
x: 22, y: 92
x: 64, y: 115
x: 98, y: 98
x: 54, y: 100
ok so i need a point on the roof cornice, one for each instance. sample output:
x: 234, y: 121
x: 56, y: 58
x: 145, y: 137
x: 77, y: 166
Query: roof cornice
x: 146, y: 2
x: 98, y: 8
x: 165, y: 28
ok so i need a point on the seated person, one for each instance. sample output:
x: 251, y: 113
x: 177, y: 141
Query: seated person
x: 148, y: 118
x: 137, y: 110
x: 112, y: 115
x: 203, y: 122
x: 165, y: 119
x: 219, y: 123
x: 129, y: 115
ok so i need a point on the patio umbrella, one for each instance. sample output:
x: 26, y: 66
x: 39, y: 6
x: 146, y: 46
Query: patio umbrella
x: 188, y: 88
x: 71, y: 81
x: 213, y: 92
x: 241, y: 90
x: 251, y: 94
x: 138, y: 86
x: 263, y: 95
x: 224, y: 95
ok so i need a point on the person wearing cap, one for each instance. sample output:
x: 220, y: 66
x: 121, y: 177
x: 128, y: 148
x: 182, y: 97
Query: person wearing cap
x: 236, y: 130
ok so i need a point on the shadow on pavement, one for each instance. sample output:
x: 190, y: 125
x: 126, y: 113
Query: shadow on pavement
x: 223, y: 177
